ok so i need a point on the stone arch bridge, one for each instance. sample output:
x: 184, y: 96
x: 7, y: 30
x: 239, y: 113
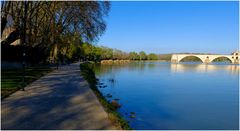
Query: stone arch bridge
x: 234, y: 57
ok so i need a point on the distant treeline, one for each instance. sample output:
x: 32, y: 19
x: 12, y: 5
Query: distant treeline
x: 85, y: 51
x: 91, y: 52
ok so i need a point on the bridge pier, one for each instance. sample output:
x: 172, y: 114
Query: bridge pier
x: 174, y: 61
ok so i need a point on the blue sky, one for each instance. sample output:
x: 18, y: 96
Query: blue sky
x: 172, y: 27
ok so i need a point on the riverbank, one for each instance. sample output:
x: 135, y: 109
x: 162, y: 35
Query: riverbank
x: 114, y: 116
x: 128, y: 61
x: 114, y: 61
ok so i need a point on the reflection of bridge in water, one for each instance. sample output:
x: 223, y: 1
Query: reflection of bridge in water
x: 234, y: 69
x: 234, y: 57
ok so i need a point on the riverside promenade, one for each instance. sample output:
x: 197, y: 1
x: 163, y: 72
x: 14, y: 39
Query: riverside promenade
x: 60, y: 100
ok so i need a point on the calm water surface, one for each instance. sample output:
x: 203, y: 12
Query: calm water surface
x: 174, y: 96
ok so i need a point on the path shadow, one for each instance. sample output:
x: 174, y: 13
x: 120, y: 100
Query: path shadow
x: 60, y: 100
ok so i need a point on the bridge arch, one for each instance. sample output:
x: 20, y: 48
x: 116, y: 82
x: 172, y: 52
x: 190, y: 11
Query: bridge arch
x: 229, y: 58
x: 181, y: 58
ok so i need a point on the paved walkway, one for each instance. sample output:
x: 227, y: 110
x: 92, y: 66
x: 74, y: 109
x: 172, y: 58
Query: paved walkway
x: 60, y: 100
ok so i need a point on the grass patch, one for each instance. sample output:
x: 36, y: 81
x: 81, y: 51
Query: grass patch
x: 87, y: 70
x: 11, y: 79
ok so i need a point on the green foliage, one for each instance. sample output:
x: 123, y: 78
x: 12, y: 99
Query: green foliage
x: 142, y: 55
x: 87, y: 50
x: 87, y: 70
x: 119, y: 55
x: 134, y: 56
x: 96, y: 53
x: 107, y: 53
x: 152, y: 56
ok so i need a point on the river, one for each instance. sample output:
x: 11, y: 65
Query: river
x: 162, y: 95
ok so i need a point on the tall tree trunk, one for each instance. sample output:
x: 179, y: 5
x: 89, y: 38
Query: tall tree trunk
x: 3, y: 24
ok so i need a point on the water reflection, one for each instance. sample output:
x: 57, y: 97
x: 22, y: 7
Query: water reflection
x: 180, y: 67
x: 183, y: 96
x: 233, y: 69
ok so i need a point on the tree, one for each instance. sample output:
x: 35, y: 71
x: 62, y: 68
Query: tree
x: 152, y: 56
x: 86, y: 50
x: 107, y: 53
x: 142, y: 55
x: 48, y: 23
x: 133, y: 56
x: 118, y: 54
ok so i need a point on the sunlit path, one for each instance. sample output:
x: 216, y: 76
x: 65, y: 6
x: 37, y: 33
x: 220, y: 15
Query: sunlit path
x: 60, y: 100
